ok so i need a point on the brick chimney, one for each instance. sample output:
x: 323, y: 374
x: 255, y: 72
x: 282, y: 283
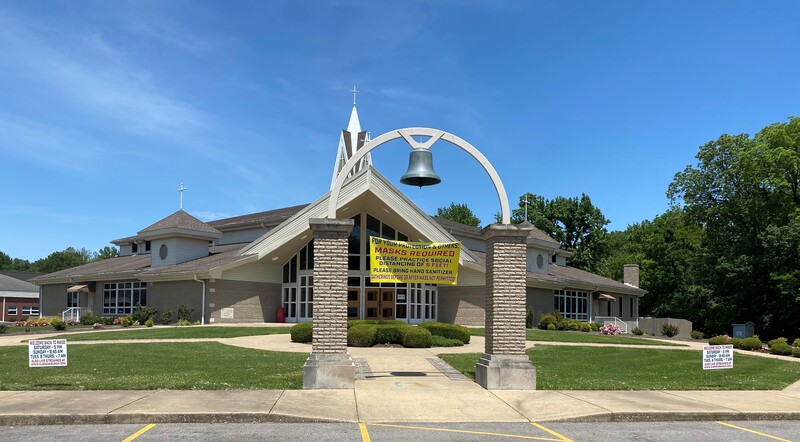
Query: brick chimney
x: 630, y: 274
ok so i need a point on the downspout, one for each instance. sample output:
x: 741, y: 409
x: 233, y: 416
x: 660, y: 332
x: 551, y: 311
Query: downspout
x: 203, y: 300
x: 4, y: 309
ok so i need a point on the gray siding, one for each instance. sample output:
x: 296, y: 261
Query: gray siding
x: 241, y: 236
x: 541, y: 300
x: 250, y: 301
x: 53, y: 300
x: 170, y: 295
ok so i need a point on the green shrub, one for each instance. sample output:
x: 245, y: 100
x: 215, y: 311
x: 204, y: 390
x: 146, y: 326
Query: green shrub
x: 444, y: 330
x: 439, y: 341
x: 185, y: 312
x: 3, y: 328
x: 184, y: 322
x: 796, y: 352
x: 142, y: 314
x: 91, y: 319
x: 58, y: 324
x: 149, y: 322
x: 564, y: 324
x: 390, y: 333
x: 529, y: 318
x: 670, y: 330
x: 353, y: 322
x: 585, y: 327
x: 777, y: 341
x: 551, y: 326
x: 546, y: 320
x: 695, y: 334
x: 126, y: 321
x: 416, y: 337
x: 735, y: 342
x: 164, y: 318
x: 595, y: 326
x: 637, y: 331
x: 796, y: 342
x: 302, y: 332
x: 362, y: 335
x: 107, y: 320
x: 752, y: 343
x: 718, y: 340
x: 781, y: 348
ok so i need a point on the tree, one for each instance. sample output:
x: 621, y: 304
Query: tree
x: 575, y: 223
x: 106, y: 252
x: 5, y: 261
x: 70, y: 257
x: 743, y: 192
x: 459, y: 213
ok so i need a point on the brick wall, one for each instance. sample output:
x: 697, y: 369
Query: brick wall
x: 463, y: 305
x: 250, y: 301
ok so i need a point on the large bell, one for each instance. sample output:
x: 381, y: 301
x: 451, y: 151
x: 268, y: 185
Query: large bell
x: 420, y: 169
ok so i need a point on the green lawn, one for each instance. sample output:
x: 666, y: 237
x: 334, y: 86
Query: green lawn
x: 190, y: 332
x: 574, y: 336
x: 613, y: 368
x: 149, y: 366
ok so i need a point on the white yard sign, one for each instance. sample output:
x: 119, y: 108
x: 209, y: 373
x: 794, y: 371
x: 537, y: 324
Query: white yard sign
x: 47, y: 353
x: 716, y: 357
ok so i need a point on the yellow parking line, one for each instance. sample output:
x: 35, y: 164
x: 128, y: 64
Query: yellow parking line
x: 138, y: 433
x: 754, y: 432
x: 560, y: 437
x: 364, y: 432
x: 481, y: 433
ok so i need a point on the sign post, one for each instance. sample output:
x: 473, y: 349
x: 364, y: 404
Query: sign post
x: 47, y: 353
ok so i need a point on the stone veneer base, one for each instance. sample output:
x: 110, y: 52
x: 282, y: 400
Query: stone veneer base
x: 505, y: 372
x: 329, y: 370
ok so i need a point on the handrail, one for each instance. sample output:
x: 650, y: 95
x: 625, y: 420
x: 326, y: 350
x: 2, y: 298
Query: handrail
x: 74, y: 313
x: 623, y: 326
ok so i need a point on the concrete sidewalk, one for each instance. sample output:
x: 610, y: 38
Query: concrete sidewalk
x: 393, y: 385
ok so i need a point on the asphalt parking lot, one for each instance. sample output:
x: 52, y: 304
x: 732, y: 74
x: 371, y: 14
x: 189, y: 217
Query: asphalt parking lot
x: 617, y: 431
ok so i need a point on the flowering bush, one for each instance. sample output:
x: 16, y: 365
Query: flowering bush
x: 97, y: 325
x: 118, y: 320
x: 72, y: 322
x: 610, y: 329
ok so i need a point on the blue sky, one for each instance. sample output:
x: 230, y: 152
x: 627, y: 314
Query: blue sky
x: 106, y: 107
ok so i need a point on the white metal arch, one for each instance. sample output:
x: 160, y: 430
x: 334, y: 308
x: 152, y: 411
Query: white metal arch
x: 435, y: 135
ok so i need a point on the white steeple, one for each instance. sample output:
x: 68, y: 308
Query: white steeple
x: 350, y: 140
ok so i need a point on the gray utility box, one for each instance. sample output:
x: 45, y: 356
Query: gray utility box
x: 743, y: 330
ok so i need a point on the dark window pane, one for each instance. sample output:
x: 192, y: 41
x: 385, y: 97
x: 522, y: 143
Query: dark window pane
x: 311, y: 255
x: 293, y: 269
x: 286, y: 272
x: 368, y: 283
x: 354, y: 240
x: 147, y: 246
x: 353, y: 261
x: 372, y: 296
x: 401, y: 311
x: 352, y: 312
x: 387, y: 313
x: 388, y: 232
x: 372, y: 312
x: 303, y: 256
x: 401, y: 237
x: 354, y: 281
x: 134, y: 248
x: 352, y: 295
x: 373, y: 226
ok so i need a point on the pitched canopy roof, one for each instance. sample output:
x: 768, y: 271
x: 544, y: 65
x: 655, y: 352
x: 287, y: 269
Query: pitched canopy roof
x: 180, y: 220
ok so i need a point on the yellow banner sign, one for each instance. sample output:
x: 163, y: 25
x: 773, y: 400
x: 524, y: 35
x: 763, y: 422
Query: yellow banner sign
x: 415, y: 262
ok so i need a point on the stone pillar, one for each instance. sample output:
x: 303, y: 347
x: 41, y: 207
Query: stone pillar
x: 329, y: 365
x: 504, y: 365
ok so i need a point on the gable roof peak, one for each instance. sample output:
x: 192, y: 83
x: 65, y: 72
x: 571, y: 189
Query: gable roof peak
x: 183, y: 221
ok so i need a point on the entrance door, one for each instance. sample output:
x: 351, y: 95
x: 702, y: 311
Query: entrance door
x: 372, y: 303
x: 387, y: 303
x: 353, y: 303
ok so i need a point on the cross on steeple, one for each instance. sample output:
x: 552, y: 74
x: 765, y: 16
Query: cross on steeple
x: 180, y: 190
x: 354, y: 91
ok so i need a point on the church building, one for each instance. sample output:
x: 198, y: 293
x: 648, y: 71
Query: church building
x: 242, y: 269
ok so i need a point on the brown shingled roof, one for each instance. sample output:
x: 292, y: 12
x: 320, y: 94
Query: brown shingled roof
x: 269, y: 218
x: 111, y: 266
x: 181, y: 220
